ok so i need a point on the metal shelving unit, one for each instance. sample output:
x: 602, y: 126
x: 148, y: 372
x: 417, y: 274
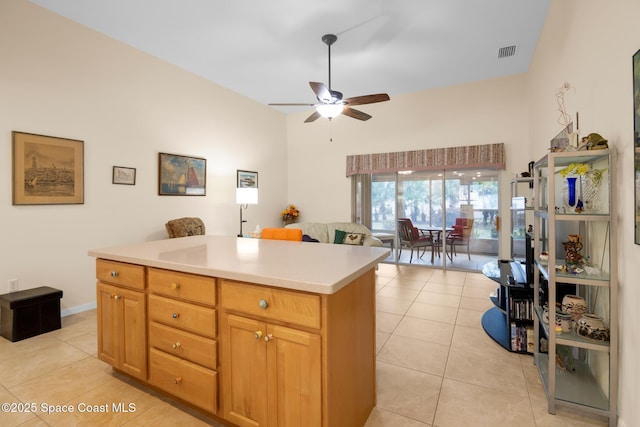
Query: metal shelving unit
x: 521, y: 214
x: 577, y: 371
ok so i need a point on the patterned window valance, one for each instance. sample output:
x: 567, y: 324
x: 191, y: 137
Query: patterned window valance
x: 489, y: 156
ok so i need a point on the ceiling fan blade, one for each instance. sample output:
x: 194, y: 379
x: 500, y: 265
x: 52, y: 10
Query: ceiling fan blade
x: 313, y: 117
x: 292, y: 105
x: 367, y: 99
x: 356, y: 114
x: 321, y: 91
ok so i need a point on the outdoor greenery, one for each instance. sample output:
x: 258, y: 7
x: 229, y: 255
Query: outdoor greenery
x: 421, y: 199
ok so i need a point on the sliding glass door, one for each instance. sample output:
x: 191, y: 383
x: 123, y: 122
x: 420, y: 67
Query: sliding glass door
x: 457, y: 209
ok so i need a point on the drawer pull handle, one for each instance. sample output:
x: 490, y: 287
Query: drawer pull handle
x: 175, y: 315
x: 263, y: 304
x: 177, y: 380
x: 268, y: 338
x: 114, y: 273
x: 176, y: 345
x: 117, y: 297
x: 175, y: 286
x: 257, y: 334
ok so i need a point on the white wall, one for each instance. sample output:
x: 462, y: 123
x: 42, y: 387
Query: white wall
x: 58, y: 78
x: 589, y: 43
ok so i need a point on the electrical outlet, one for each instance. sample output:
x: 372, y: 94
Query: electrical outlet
x: 14, y: 285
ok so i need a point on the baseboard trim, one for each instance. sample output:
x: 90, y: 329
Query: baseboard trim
x: 77, y: 309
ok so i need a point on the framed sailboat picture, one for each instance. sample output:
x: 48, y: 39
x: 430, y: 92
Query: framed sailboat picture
x: 47, y: 170
x: 181, y: 175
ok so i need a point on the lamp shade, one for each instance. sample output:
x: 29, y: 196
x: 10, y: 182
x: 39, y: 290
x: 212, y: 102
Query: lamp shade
x: 330, y: 111
x: 247, y: 196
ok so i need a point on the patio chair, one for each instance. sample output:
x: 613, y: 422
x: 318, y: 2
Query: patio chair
x: 460, y: 236
x: 412, y: 238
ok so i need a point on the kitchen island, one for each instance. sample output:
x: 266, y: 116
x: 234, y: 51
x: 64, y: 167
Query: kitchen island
x: 253, y: 332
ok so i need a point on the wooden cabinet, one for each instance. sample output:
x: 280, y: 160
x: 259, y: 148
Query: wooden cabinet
x: 122, y: 332
x: 272, y: 371
x: 182, y: 330
x: 283, y: 357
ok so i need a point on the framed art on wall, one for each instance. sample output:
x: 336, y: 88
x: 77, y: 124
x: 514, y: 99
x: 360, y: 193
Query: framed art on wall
x: 181, y: 175
x: 124, y: 175
x: 47, y: 170
x: 636, y: 145
x: 247, y: 179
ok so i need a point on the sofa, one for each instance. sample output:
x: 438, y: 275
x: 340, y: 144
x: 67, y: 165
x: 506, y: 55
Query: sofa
x: 347, y: 233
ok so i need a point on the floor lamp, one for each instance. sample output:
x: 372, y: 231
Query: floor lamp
x: 245, y: 197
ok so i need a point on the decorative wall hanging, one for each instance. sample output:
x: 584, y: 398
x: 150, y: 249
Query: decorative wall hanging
x: 246, y: 179
x: 636, y: 139
x: 123, y: 175
x: 181, y: 175
x: 47, y: 170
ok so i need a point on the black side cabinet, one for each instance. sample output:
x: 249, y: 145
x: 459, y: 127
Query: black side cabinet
x: 25, y: 314
x: 510, y: 322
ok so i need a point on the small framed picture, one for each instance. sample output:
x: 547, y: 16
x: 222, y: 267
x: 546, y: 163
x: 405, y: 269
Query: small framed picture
x: 247, y: 179
x: 123, y: 175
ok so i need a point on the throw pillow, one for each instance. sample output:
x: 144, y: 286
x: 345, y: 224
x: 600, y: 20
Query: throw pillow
x: 339, y: 237
x: 354, y: 239
x: 307, y: 238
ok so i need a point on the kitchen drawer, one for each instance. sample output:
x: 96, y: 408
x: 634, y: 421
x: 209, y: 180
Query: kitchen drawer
x: 190, y: 287
x: 271, y: 303
x: 193, y: 348
x: 184, y: 380
x: 120, y: 273
x: 183, y: 315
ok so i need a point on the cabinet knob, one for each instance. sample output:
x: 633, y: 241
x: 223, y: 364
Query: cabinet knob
x: 176, y: 345
x: 117, y: 297
x: 114, y: 273
x: 257, y: 334
x: 174, y: 286
x: 268, y: 338
x: 175, y: 315
x: 263, y: 304
x: 177, y: 380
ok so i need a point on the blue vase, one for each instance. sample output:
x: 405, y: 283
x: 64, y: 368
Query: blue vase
x: 571, y: 186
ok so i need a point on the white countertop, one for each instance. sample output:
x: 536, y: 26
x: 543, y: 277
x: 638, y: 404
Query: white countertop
x: 314, y: 267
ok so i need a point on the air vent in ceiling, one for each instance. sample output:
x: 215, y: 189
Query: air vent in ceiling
x: 507, y: 51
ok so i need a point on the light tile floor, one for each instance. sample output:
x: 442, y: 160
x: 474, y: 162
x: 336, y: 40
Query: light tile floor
x: 435, y: 367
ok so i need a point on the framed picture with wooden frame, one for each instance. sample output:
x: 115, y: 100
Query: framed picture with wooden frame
x: 181, y: 175
x: 47, y: 170
x: 123, y: 175
x: 246, y: 179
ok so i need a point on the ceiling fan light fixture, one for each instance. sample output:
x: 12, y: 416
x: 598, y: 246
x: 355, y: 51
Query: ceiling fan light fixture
x: 330, y: 111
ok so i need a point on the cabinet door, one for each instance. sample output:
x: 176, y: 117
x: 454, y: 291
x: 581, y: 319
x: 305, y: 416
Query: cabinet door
x: 244, y: 371
x: 134, y: 333
x: 122, y: 329
x: 294, y: 377
x: 109, y: 325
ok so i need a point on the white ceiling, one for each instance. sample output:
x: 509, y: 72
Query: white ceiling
x: 270, y: 50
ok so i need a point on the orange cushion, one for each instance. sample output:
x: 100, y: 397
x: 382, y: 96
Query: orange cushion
x: 294, y: 234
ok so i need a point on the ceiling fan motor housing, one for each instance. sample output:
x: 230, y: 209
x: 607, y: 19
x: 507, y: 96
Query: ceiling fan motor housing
x: 329, y: 39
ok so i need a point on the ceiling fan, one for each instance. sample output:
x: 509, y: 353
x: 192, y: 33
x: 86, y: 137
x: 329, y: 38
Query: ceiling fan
x: 330, y: 103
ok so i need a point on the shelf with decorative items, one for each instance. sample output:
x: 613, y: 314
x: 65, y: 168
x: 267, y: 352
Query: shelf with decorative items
x: 575, y: 282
